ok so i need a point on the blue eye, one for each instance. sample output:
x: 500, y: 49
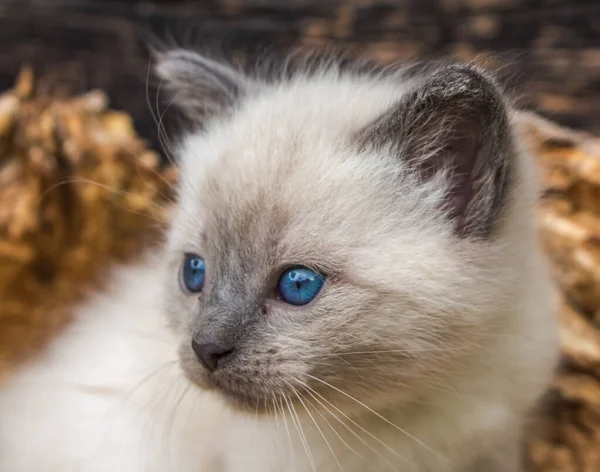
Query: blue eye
x: 193, y: 273
x: 299, y: 285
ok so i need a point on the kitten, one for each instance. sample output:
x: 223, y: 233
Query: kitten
x: 350, y: 281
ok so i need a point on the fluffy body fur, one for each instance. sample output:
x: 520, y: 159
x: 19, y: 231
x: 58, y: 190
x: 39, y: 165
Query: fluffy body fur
x: 426, y: 349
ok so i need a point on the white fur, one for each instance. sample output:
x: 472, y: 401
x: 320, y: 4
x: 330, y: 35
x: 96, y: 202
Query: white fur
x: 110, y: 396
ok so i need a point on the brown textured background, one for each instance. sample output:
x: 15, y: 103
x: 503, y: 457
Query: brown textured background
x: 550, y: 48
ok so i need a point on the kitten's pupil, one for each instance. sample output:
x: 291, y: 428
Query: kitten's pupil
x: 192, y: 273
x: 294, y: 277
x: 299, y: 286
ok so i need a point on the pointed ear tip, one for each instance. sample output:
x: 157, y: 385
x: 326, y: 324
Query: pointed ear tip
x: 471, y: 84
x: 467, y: 68
x: 467, y: 74
x: 162, y: 62
x: 168, y: 63
x: 172, y: 54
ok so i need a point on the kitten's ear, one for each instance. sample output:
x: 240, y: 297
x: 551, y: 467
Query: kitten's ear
x: 201, y: 87
x: 454, y: 121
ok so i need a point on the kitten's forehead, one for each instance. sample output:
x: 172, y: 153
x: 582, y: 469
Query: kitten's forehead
x: 279, y: 163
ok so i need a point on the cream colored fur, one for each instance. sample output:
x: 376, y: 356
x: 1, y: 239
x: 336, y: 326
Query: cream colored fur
x: 111, y: 395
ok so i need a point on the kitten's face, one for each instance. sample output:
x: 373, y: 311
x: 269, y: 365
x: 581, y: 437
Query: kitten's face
x: 299, y: 176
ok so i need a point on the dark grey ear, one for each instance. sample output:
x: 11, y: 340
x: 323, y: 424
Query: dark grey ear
x: 200, y: 87
x: 454, y: 121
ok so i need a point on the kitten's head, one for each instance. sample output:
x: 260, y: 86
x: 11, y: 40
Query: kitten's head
x: 337, y: 230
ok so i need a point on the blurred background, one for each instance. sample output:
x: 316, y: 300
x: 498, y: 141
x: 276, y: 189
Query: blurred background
x: 549, y: 49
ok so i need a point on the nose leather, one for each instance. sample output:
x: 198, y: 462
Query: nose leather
x: 211, y: 355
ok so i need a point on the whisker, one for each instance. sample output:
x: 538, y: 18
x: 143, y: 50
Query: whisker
x: 154, y: 118
x: 121, y: 193
x: 168, y: 431
x: 313, y: 392
x: 387, y: 351
x: 161, y: 133
x: 149, y: 104
x: 274, y: 424
x: 287, y: 429
x: 165, y: 142
x: 317, y: 426
x: 332, y: 428
x: 152, y: 417
x: 162, y: 178
x: 382, y: 418
x: 300, y: 432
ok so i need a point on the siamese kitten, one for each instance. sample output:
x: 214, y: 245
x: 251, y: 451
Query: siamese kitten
x: 350, y: 281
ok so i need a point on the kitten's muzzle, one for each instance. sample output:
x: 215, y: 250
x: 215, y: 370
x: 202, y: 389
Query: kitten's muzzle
x: 211, y: 355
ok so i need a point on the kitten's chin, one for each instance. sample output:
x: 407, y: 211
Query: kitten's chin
x: 238, y: 400
x: 234, y: 397
x: 242, y: 402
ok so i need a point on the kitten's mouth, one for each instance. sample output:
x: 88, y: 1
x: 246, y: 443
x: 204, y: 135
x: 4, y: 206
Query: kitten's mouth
x: 244, y: 386
x: 246, y: 394
x: 241, y: 393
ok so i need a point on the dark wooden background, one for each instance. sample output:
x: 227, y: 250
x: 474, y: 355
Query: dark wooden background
x: 549, y: 48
